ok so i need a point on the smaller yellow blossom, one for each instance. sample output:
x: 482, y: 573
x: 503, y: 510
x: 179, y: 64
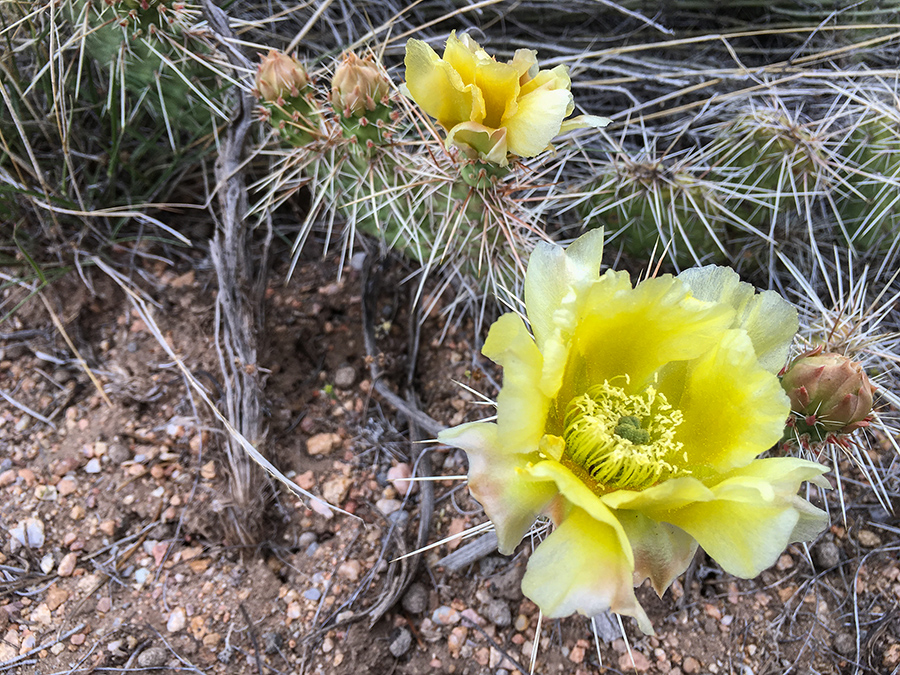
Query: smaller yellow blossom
x: 632, y: 417
x: 488, y: 108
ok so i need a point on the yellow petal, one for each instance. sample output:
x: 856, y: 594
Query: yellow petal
x: 462, y: 56
x: 769, y: 319
x: 734, y: 409
x: 584, y: 122
x: 634, y: 332
x: 525, y: 63
x: 521, y: 407
x: 537, y: 119
x: 439, y: 89
x: 555, y: 78
x: 510, y: 497
x: 553, y: 273
x: 658, y: 500
x: 480, y: 142
x: 754, y: 515
x: 499, y: 85
x: 582, y: 567
x: 577, y: 493
x: 661, y: 551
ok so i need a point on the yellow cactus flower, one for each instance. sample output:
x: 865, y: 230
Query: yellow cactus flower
x: 489, y: 108
x: 633, y: 419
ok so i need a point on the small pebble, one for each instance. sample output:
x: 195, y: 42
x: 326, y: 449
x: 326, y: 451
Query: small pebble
x: 92, y: 466
x: 456, y: 640
x: 350, y: 570
x: 690, y: 665
x: 312, y: 594
x: 118, y: 453
x: 388, y: 506
x: 401, y: 643
x: 154, y: 657
x: 397, y: 476
x: 521, y: 623
x: 868, y: 539
x: 322, y: 444
x: 498, y: 613
x: 28, y: 533
x: 844, y: 644
x: 445, y: 616
x: 67, y: 564
x: 344, y: 377
x: 66, y: 486
x: 415, y: 600
x: 177, y: 620
x: 47, y: 563
x: 305, y: 539
x: 826, y: 555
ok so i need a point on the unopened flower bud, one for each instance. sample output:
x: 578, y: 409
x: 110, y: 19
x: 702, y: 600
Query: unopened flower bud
x: 358, y: 86
x: 830, y: 392
x: 280, y: 77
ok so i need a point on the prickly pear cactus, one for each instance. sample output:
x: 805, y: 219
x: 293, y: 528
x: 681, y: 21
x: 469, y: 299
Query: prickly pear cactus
x: 378, y: 174
x: 646, y: 203
x: 869, y: 201
x: 769, y: 158
x: 146, y: 47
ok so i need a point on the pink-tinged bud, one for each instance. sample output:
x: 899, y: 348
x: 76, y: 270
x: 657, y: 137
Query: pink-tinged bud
x: 830, y: 393
x: 280, y: 77
x: 358, y: 86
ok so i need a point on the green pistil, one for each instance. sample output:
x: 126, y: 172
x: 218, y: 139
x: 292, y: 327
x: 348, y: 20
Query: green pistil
x: 629, y: 427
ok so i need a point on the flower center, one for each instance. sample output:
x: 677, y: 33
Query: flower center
x: 621, y: 440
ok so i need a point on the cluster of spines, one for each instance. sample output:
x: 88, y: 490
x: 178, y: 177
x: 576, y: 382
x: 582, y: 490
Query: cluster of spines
x: 760, y: 177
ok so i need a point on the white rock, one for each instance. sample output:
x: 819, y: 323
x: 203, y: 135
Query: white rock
x: 140, y: 576
x: 92, y: 466
x: 28, y: 533
x: 47, y: 563
x: 176, y: 620
x: 321, y: 508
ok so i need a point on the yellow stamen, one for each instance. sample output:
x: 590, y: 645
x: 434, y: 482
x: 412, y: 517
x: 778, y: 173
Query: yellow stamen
x: 621, y: 440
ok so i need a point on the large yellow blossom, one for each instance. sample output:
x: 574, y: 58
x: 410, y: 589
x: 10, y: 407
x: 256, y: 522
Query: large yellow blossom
x: 488, y: 108
x: 633, y: 420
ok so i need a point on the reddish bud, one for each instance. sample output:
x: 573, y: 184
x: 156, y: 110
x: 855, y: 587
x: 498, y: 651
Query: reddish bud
x: 830, y: 392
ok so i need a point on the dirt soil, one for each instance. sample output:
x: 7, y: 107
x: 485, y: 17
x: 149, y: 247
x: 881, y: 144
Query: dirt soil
x: 115, y: 558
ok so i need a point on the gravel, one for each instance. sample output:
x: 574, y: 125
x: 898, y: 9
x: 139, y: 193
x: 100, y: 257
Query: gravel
x: 401, y: 643
x: 153, y: 657
x: 826, y: 555
x: 498, y: 613
x: 415, y: 600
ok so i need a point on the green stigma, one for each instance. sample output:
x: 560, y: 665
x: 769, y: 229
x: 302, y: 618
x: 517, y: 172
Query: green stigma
x: 629, y: 427
x: 621, y: 440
